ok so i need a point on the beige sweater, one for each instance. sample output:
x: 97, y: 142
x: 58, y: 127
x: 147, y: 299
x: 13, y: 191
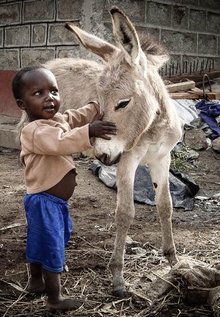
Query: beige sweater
x: 47, y: 146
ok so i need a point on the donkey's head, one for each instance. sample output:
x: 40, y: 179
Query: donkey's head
x: 129, y: 87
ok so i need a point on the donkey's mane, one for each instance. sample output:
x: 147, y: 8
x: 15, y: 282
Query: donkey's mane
x: 150, y: 45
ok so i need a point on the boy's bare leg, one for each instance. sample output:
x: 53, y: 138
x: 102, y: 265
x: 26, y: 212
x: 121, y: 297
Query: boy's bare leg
x: 37, y: 284
x: 55, y: 299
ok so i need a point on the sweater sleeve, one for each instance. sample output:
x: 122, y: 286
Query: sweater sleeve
x: 52, y: 140
x: 84, y: 115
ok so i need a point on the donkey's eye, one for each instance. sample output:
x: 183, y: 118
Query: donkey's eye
x: 122, y: 104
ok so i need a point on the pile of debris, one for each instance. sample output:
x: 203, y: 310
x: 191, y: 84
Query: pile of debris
x: 199, y: 109
x: 194, y: 86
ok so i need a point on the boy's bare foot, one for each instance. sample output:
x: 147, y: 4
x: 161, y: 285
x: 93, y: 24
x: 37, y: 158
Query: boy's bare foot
x: 65, y: 304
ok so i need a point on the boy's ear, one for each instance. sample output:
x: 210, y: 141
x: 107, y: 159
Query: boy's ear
x: 20, y: 104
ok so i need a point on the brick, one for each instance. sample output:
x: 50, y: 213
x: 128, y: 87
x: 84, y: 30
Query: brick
x: 10, y: 13
x: 9, y: 59
x: 154, y: 32
x: 39, y: 35
x: 213, y: 22
x: 163, y: 16
x: 207, y: 44
x: 197, y: 20
x: 177, y: 2
x: 85, y: 54
x: 17, y: 36
x: 179, y: 42
x: 194, y: 3
x: 59, y: 35
x: 70, y: 51
x: 1, y: 37
x: 39, y: 10
x: 36, y: 56
x: 180, y: 17
x: 8, y: 135
x: 210, y: 4
x: 69, y: 10
x: 219, y: 45
x: 108, y: 33
x: 135, y: 9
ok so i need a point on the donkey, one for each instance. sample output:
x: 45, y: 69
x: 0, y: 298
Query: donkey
x: 132, y: 94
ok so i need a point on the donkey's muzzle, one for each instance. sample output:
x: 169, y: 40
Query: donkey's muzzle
x: 107, y: 160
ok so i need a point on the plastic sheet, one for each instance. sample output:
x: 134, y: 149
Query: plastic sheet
x: 183, y: 189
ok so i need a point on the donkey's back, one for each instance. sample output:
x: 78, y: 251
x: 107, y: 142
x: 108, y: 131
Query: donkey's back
x: 76, y: 80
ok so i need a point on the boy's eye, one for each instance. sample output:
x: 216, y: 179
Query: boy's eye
x: 37, y: 93
x: 54, y: 92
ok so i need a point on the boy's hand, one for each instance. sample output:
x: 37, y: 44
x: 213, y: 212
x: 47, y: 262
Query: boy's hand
x: 100, y: 129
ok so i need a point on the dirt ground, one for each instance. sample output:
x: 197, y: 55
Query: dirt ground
x: 88, y: 278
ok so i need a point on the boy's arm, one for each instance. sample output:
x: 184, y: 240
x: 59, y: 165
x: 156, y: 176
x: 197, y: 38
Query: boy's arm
x: 49, y: 140
x: 83, y: 115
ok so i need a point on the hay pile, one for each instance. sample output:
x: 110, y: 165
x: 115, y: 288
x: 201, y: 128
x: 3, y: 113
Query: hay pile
x: 153, y: 289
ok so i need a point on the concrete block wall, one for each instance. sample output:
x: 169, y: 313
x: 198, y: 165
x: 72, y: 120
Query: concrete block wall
x: 32, y: 31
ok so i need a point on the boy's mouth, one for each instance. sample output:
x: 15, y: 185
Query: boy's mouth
x: 50, y: 108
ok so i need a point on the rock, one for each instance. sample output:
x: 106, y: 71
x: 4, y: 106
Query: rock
x: 195, y: 139
x: 216, y: 144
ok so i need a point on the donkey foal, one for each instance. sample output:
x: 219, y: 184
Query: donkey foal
x: 132, y: 94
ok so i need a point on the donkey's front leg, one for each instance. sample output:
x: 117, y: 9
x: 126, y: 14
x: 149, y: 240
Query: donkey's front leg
x: 159, y: 170
x: 124, y: 216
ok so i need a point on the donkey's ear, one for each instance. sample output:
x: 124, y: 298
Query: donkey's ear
x: 125, y: 34
x: 93, y: 43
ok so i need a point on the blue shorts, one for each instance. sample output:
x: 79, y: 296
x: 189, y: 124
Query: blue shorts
x: 49, y: 228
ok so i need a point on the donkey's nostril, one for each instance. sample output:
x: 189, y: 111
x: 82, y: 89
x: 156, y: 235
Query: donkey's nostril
x: 104, y: 158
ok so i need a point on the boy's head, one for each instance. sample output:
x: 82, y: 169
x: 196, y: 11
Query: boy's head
x: 36, y: 92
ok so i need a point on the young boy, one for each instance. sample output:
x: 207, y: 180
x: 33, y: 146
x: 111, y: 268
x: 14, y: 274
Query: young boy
x: 48, y: 141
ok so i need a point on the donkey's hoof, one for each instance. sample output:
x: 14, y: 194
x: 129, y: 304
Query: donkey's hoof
x: 173, y: 260
x: 171, y: 256
x: 121, y: 293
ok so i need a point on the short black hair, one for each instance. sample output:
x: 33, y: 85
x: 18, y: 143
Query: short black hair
x: 17, y: 83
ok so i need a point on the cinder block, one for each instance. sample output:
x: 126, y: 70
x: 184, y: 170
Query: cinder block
x: 17, y: 36
x: 8, y: 135
x: 213, y: 24
x: 36, y: 56
x: 39, y: 10
x: 180, y: 17
x: 9, y: 59
x: 207, y: 44
x: 179, y: 42
x: 194, y: 3
x: 1, y: 37
x: 197, y: 20
x: 154, y: 32
x: 8, y: 132
x: 59, y: 35
x: 39, y: 34
x: 158, y: 14
x: 210, y: 4
x: 74, y: 51
x: 69, y: 10
x: 135, y: 9
x: 10, y: 13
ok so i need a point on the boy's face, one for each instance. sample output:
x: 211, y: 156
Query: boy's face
x: 40, y: 96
